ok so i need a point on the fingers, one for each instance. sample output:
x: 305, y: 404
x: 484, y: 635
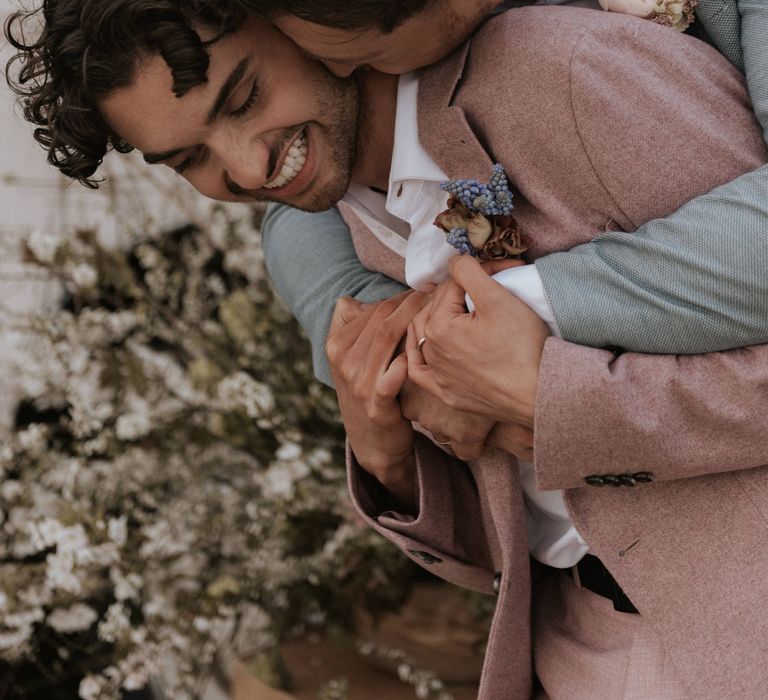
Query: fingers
x: 470, y: 276
x: 467, y: 450
x: 448, y: 300
x: 418, y: 370
x: 389, y: 384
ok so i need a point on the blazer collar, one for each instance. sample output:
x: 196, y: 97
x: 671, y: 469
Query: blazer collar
x: 443, y: 127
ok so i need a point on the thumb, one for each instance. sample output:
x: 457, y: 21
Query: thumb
x: 467, y: 272
x: 390, y: 383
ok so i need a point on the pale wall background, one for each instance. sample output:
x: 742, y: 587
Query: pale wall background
x: 34, y: 196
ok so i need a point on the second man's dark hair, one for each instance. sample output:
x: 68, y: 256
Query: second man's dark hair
x: 383, y: 15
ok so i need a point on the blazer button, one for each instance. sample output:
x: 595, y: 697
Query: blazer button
x: 643, y: 477
x: 595, y: 480
x: 425, y: 557
x: 497, y: 582
x: 611, y: 480
x: 627, y: 480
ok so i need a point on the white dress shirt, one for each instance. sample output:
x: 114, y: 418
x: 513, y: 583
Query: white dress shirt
x: 403, y: 221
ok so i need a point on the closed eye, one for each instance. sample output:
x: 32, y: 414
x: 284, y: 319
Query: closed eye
x: 191, y: 160
x: 249, y: 101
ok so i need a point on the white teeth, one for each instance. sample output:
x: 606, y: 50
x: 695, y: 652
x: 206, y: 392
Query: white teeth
x: 292, y: 165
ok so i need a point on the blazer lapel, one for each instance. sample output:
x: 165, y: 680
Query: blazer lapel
x: 443, y: 128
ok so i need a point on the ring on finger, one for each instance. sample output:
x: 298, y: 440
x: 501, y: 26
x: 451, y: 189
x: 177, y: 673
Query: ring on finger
x: 420, y: 345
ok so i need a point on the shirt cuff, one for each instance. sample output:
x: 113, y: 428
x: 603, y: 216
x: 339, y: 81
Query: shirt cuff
x: 525, y: 283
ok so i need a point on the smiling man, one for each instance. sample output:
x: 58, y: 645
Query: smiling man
x: 265, y: 123
x: 571, y: 102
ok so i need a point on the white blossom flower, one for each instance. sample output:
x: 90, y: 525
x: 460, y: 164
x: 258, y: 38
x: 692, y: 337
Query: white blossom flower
x: 241, y: 390
x: 91, y: 688
x: 132, y: 426
x: 127, y: 587
x: 85, y: 276
x: 278, y: 481
x: 43, y: 246
x: 117, y: 530
x: 77, y: 618
x: 288, y: 451
x: 60, y: 573
x: 638, y: 8
x: 11, y: 489
x: 115, y: 623
x: 677, y: 14
x: 33, y: 439
x: 13, y: 642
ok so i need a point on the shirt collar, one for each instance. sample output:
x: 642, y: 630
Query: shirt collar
x: 409, y: 159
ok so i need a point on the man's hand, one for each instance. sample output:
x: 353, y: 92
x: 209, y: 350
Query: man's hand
x: 361, y: 347
x: 466, y: 433
x: 484, y: 362
x: 513, y: 438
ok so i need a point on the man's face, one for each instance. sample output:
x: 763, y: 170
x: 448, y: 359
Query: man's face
x: 270, y: 123
x: 419, y: 41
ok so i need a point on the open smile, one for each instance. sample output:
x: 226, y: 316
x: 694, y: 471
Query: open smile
x: 293, y: 163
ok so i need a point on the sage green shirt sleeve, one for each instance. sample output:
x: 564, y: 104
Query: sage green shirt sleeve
x: 312, y: 262
x: 754, y: 42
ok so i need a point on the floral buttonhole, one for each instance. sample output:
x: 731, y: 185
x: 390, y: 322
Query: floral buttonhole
x: 479, y: 221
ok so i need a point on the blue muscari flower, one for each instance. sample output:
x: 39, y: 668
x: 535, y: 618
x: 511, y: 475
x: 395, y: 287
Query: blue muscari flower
x: 491, y: 199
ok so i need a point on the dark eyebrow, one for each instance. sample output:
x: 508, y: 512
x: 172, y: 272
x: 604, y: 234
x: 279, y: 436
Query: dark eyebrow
x: 155, y: 158
x: 229, y: 84
x: 221, y: 99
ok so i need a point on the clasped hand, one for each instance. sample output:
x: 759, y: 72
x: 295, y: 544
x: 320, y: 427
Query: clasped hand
x: 484, y: 362
x: 377, y: 402
x: 368, y: 372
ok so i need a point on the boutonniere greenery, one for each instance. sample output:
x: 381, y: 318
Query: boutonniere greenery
x: 479, y: 221
x: 678, y: 14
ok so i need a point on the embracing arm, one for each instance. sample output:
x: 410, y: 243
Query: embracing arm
x: 673, y: 416
x: 754, y: 29
x: 312, y: 262
x: 694, y: 282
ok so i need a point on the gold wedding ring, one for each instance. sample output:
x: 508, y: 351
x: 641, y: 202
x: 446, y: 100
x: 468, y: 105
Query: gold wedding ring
x: 420, y: 345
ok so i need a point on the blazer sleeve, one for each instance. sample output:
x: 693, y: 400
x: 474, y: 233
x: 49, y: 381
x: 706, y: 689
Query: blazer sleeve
x: 673, y: 416
x: 312, y: 262
x: 447, y: 536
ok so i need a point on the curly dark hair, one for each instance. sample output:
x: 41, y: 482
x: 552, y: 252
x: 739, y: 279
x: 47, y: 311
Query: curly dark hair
x: 88, y: 48
x: 384, y: 15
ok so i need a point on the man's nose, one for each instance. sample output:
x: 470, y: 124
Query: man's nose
x: 245, y: 160
x: 342, y: 70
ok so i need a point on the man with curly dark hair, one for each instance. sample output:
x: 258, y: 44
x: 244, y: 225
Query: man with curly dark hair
x: 564, y: 101
x: 85, y: 51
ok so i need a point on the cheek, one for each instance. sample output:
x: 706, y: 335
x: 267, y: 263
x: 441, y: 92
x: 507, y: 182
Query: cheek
x: 208, y: 184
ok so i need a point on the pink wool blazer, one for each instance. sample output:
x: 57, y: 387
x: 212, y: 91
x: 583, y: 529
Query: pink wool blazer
x: 603, y: 122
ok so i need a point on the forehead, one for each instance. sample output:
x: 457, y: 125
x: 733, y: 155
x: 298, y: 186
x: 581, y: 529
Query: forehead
x: 356, y: 45
x: 145, y: 111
